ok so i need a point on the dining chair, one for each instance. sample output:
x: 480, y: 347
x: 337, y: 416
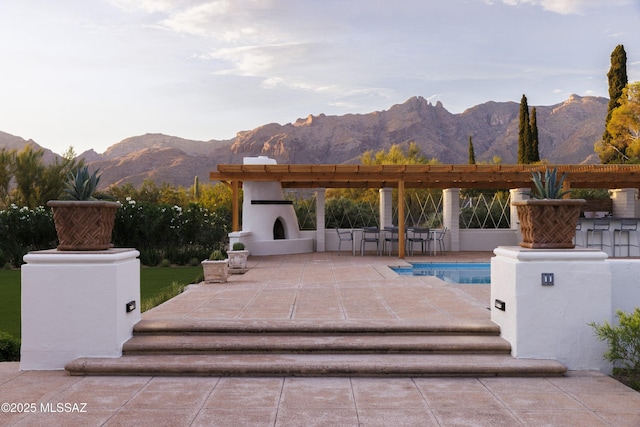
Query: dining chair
x: 390, y: 237
x: 438, y: 241
x: 345, y: 236
x: 370, y: 235
x: 418, y: 235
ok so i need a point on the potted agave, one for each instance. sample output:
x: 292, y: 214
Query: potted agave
x: 82, y: 221
x: 547, y: 220
x: 238, y: 257
x: 216, y: 267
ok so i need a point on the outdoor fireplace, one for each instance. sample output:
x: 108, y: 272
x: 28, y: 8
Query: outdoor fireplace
x: 269, y: 223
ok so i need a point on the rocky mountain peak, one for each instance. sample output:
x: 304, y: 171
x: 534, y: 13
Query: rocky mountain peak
x: 567, y: 130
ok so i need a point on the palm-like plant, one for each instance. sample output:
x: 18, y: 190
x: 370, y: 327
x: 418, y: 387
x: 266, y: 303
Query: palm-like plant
x: 81, y: 185
x: 550, y: 187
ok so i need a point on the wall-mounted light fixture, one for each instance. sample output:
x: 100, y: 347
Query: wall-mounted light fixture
x: 131, y: 305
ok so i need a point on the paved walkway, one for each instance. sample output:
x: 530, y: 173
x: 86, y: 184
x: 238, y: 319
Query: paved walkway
x: 324, y: 287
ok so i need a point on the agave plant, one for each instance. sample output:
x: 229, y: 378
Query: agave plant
x: 81, y: 185
x: 550, y: 187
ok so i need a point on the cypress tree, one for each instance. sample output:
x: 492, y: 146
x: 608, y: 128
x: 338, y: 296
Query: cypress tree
x: 524, y: 133
x: 617, y: 76
x: 535, y: 154
x: 472, y: 154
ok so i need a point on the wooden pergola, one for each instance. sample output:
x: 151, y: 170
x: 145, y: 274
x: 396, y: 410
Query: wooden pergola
x: 419, y: 176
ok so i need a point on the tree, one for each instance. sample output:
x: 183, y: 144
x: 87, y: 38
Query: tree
x: 396, y: 156
x: 472, y: 154
x: 28, y: 169
x: 37, y: 183
x: 524, y: 133
x: 7, y: 159
x: 624, y: 125
x: 534, y: 154
x: 617, y: 76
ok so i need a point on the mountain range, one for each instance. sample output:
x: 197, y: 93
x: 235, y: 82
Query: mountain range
x: 567, y: 133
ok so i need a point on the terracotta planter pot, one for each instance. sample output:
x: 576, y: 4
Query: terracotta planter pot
x: 83, y: 225
x: 215, y: 271
x: 548, y: 223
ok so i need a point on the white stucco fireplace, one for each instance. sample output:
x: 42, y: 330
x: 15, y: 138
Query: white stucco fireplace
x: 269, y: 223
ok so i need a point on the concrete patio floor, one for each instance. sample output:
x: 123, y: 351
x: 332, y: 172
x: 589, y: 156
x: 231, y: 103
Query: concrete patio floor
x: 322, y: 287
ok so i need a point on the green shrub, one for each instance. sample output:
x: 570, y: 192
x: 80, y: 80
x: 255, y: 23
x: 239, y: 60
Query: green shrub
x: 23, y: 230
x: 217, y: 255
x: 9, y: 348
x: 172, y: 232
x: 624, y: 344
x: 238, y: 246
x: 165, y: 263
x: 150, y: 257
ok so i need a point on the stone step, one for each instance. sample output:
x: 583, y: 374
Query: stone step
x: 406, y: 365
x: 285, y: 348
x: 315, y: 343
x: 181, y: 326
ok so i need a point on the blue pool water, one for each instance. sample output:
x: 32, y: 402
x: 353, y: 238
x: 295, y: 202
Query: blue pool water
x: 450, y: 272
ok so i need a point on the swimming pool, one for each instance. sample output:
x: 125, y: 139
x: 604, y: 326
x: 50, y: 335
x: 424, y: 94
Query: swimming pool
x: 450, y: 272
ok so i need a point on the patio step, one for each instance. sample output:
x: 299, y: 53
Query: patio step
x: 247, y: 348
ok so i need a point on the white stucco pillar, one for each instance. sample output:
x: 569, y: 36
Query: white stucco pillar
x: 386, y: 207
x: 320, y: 220
x: 77, y: 304
x: 516, y: 195
x: 624, y: 202
x: 451, y: 217
x: 544, y: 300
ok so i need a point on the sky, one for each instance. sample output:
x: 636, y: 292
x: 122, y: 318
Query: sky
x: 89, y: 73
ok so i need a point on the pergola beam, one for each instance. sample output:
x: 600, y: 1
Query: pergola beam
x: 427, y: 176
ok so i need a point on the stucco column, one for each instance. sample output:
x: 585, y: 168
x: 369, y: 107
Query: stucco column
x: 624, y: 202
x: 516, y: 195
x: 386, y: 207
x: 77, y: 304
x: 451, y: 216
x: 320, y: 220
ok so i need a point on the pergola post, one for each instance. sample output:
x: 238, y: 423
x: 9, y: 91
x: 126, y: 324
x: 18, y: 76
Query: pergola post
x: 320, y: 220
x: 235, y: 214
x: 451, y: 216
x: 401, y: 244
x: 386, y: 207
x: 624, y: 202
x: 516, y: 195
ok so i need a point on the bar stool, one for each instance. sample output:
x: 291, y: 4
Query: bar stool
x: 579, y: 233
x: 600, y: 226
x: 628, y: 227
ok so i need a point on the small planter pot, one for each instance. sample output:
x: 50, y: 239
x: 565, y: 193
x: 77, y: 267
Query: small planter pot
x: 83, y: 225
x: 548, y: 223
x: 215, y: 271
x: 238, y: 259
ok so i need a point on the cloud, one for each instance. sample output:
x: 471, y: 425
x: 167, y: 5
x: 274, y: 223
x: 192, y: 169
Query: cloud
x: 565, y: 7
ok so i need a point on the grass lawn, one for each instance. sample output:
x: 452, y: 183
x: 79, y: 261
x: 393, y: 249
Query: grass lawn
x: 152, y: 281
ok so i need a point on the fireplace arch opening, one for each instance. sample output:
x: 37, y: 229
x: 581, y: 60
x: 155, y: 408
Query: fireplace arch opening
x: 279, y: 230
